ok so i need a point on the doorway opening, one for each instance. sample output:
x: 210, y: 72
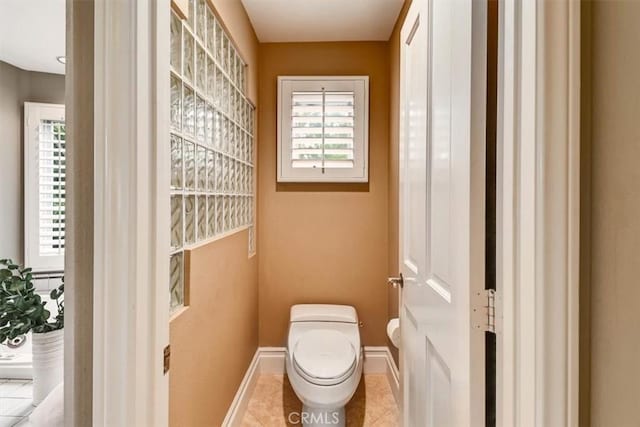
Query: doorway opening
x: 32, y: 218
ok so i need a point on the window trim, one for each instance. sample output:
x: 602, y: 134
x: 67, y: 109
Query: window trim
x: 34, y: 112
x: 360, y: 173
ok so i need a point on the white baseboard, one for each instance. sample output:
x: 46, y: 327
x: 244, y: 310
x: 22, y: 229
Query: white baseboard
x: 241, y: 399
x: 393, y: 375
x: 271, y: 360
x: 378, y: 360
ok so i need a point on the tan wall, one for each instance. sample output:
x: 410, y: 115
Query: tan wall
x: 18, y: 86
x: 615, y: 214
x: 79, y: 214
x: 585, y: 218
x: 214, y: 340
x: 323, y: 243
x: 394, y: 164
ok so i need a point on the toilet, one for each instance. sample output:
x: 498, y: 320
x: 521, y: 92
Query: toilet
x: 324, y: 361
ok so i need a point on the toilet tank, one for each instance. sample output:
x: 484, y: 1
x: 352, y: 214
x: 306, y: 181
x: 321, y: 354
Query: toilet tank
x: 323, y: 313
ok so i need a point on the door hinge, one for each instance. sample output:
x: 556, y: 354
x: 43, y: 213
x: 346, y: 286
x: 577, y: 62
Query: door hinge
x: 167, y: 358
x: 484, y: 311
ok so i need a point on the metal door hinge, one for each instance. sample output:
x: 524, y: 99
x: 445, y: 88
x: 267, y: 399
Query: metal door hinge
x: 167, y: 358
x: 484, y: 311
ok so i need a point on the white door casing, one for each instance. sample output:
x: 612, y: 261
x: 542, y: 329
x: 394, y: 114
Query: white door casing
x: 442, y: 141
x: 537, y: 224
x: 131, y: 213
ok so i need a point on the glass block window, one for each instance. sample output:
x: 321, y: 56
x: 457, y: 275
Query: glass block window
x: 212, y: 139
x: 45, y: 170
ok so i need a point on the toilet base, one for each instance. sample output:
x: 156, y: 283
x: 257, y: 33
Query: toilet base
x: 315, y: 417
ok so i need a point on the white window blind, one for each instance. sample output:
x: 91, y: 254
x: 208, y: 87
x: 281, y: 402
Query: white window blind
x: 51, y: 179
x: 45, y: 169
x: 322, y: 129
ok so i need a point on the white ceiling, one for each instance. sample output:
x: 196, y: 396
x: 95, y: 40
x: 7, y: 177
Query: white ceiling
x: 322, y: 20
x: 32, y: 34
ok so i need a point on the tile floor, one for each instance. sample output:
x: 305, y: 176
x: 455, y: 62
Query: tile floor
x: 273, y: 400
x: 15, y: 402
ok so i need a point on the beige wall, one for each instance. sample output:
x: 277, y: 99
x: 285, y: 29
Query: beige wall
x: 323, y: 243
x: 394, y: 150
x: 18, y: 86
x: 214, y: 340
x: 585, y: 218
x: 615, y: 214
x: 79, y: 214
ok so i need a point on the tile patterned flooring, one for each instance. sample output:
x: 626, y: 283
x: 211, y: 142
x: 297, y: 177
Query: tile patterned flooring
x: 273, y: 399
x: 15, y: 402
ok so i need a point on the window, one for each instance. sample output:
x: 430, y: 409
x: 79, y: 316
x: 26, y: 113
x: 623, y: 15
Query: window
x: 323, y: 129
x: 44, y: 186
x: 212, y: 140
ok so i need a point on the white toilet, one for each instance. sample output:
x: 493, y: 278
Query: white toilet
x: 324, y: 361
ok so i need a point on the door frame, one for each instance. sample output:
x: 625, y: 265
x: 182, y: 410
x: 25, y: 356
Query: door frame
x: 538, y: 194
x: 117, y: 254
x: 131, y: 217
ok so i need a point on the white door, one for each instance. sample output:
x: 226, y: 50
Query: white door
x: 442, y: 140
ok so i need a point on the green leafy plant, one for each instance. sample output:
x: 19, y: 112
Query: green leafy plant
x: 21, y: 308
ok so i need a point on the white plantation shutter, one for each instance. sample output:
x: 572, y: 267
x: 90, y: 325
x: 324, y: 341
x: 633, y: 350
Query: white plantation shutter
x: 51, y: 179
x: 322, y: 129
x: 45, y: 169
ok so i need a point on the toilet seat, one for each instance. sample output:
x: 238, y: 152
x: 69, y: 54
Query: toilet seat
x: 324, y: 357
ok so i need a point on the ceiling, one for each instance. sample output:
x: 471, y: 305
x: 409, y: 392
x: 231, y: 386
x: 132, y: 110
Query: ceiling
x: 32, y: 34
x: 322, y: 20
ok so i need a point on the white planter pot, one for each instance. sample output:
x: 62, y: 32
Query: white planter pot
x: 48, y: 363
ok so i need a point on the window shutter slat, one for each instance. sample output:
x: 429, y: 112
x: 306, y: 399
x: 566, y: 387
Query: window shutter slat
x: 322, y: 129
x: 51, y: 184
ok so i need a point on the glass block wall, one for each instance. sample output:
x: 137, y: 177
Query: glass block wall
x: 212, y: 139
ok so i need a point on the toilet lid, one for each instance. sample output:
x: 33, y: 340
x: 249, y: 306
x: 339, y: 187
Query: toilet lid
x: 324, y: 357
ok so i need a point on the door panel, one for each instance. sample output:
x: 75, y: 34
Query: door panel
x: 415, y: 154
x: 441, y: 354
x: 439, y: 208
x: 439, y: 389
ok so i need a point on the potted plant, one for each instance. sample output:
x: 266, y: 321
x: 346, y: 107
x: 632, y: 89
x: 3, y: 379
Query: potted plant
x: 22, y: 310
